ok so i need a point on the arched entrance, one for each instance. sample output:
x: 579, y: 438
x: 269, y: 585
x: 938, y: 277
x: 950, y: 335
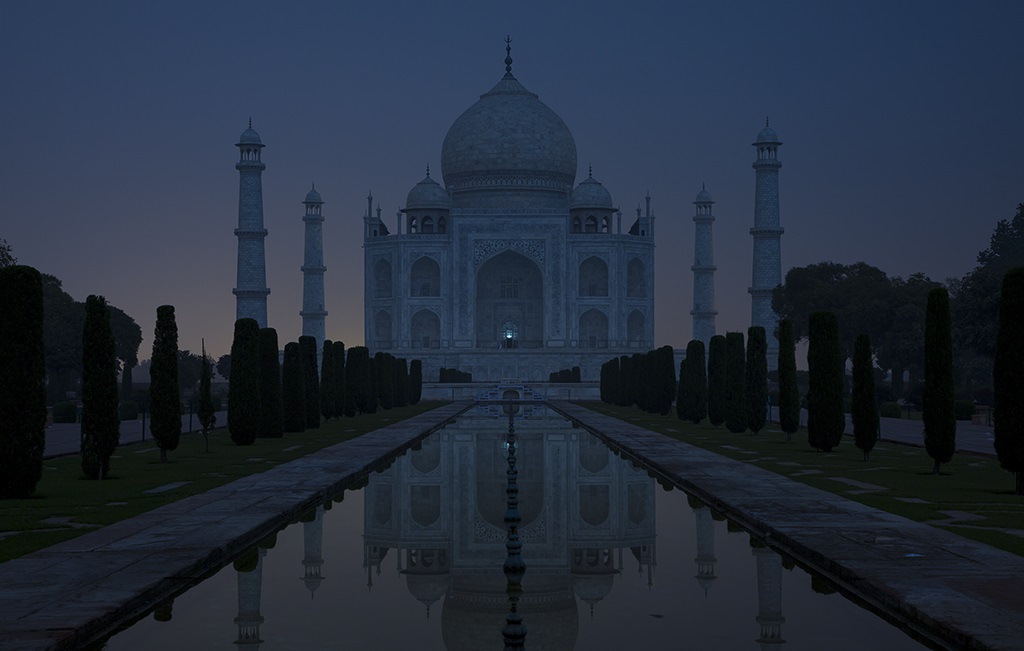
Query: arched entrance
x: 509, y: 303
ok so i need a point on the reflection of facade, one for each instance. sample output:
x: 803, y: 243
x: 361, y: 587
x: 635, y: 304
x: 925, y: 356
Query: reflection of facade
x: 442, y: 507
x: 250, y: 587
x: 769, y: 596
x: 508, y: 254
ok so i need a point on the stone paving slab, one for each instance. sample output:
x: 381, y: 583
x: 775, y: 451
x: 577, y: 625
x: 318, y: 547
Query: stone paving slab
x: 959, y: 593
x: 75, y: 592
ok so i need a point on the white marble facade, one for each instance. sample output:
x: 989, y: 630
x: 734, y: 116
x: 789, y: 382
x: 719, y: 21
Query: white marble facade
x: 508, y: 271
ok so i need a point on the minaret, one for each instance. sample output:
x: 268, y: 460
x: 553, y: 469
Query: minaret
x: 703, y: 268
x: 769, y: 596
x: 313, y: 269
x: 251, y: 290
x: 705, y: 548
x: 767, y: 234
x: 312, y: 542
x: 250, y: 587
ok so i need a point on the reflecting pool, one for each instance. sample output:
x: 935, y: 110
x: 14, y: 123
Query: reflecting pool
x: 414, y: 560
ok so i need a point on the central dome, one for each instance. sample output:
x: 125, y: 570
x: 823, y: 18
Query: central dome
x: 508, y: 140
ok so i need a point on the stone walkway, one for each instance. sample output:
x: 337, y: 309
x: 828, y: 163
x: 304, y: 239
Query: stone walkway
x: 958, y: 593
x: 74, y: 593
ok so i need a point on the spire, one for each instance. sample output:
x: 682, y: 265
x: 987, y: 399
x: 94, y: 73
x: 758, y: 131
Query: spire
x: 428, y: 171
x: 313, y: 184
x: 250, y: 121
x: 590, y: 170
x: 508, y: 55
x: 766, y: 122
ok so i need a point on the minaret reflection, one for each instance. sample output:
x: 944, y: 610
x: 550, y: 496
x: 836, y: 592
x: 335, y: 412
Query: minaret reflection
x: 250, y: 586
x: 514, y: 631
x: 769, y: 595
x: 705, y: 560
x: 312, y: 560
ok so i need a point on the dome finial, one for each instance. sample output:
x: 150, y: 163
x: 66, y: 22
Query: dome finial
x: 313, y: 183
x: 702, y: 186
x: 590, y: 170
x: 428, y: 171
x: 508, y: 54
x: 766, y: 122
x: 250, y: 121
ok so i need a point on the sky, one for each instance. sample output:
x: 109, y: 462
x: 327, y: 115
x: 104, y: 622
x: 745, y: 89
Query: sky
x: 902, y: 127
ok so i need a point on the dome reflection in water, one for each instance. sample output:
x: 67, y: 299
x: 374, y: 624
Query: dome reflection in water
x: 417, y: 559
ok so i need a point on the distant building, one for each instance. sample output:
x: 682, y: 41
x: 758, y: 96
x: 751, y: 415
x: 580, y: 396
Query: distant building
x: 508, y: 270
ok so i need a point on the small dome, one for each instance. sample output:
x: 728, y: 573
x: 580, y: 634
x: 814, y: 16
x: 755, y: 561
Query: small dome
x: 249, y: 137
x: 313, y: 196
x: 590, y: 194
x: 703, y: 196
x: 767, y: 135
x: 427, y: 194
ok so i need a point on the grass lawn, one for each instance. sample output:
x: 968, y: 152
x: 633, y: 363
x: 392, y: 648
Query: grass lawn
x: 972, y: 497
x: 66, y: 505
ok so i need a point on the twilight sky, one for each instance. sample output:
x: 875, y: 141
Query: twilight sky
x: 902, y: 124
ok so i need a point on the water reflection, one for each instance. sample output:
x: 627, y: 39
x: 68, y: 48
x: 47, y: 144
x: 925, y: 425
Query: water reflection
x: 525, y: 533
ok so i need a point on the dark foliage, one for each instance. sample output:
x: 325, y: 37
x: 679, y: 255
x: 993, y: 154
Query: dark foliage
x: 359, y: 381
x: 789, y: 391
x: 164, y: 396
x: 327, y: 389
x: 311, y: 381
x: 453, y: 376
x: 693, y: 383
x: 244, y: 384
x: 401, y: 382
x: 1008, y: 378
x: 224, y: 366
x: 415, y: 381
x: 862, y: 406
x: 342, y: 405
x: 293, y: 389
x: 716, y: 380
x: 100, y: 421
x: 825, y: 418
x: 271, y: 398
x: 385, y: 378
x: 735, y: 383
x: 937, y: 401
x: 22, y: 381
x: 206, y: 408
x: 757, y: 378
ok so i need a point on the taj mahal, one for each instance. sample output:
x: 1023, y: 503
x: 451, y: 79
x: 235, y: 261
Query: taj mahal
x: 508, y: 268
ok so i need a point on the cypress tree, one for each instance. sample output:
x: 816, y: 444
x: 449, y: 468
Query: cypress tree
x: 757, y: 378
x: 937, y: 402
x: 387, y: 379
x: 622, y: 382
x: 863, y: 411
x: 825, y: 418
x: 789, y: 392
x: 1008, y: 378
x: 358, y: 387
x: 164, y: 396
x: 205, y: 409
x: 401, y: 374
x: 735, y: 383
x: 663, y: 376
x: 415, y: 381
x: 693, y: 374
x: 716, y: 380
x: 373, y: 399
x: 293, y: 389
x: 22, y: 381
x: 342, y: 406
x: 244, y: 383
x: 682, y: 390
x: 271, y: 401
x: 311, y: 381
x: 327, y: 381
x: 100, y: 421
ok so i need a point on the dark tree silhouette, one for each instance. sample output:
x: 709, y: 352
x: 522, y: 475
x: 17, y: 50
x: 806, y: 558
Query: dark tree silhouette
x: 22, y: 381
x: 863, y: 411
x: 311, y: 381
x: 205, y: 409
x: 735, y: 383
x: 342, y: 405
x: 359, y: 383
x: 244, y: 384
x: 757, y: 378
x: 716, y: 380
x: 293, y: 389
x: 100, y: 422
x: 693, y: 384
x: 271, y: 401
x: 825, y: 418
x: 164, y: 396
x: 789, y: 392
x: 415, y: 381
x: 1008, y: 376
x: 327, y: 381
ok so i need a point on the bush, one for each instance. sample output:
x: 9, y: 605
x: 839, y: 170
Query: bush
x: 128, y: 410
x: 963, y: 409
x: 65, y: 412
x: 890, y: 410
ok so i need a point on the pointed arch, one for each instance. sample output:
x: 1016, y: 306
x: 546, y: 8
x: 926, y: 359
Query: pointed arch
x: 426, y: 329
x: 593, y: 329
x: 636, y: 279
x: 382, y: 279
x: 425, y: 277
x: 593, y: 277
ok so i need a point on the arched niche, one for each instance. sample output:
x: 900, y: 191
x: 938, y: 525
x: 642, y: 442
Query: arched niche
x: 382, y: 279
x: 509, y: 302
x: 425, y: 277
x: 593, y: 277
x: 636, y: 279
x: 426, y: 329
x: 593, y: 329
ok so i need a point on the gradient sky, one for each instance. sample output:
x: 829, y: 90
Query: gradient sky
x: 902, y: 124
